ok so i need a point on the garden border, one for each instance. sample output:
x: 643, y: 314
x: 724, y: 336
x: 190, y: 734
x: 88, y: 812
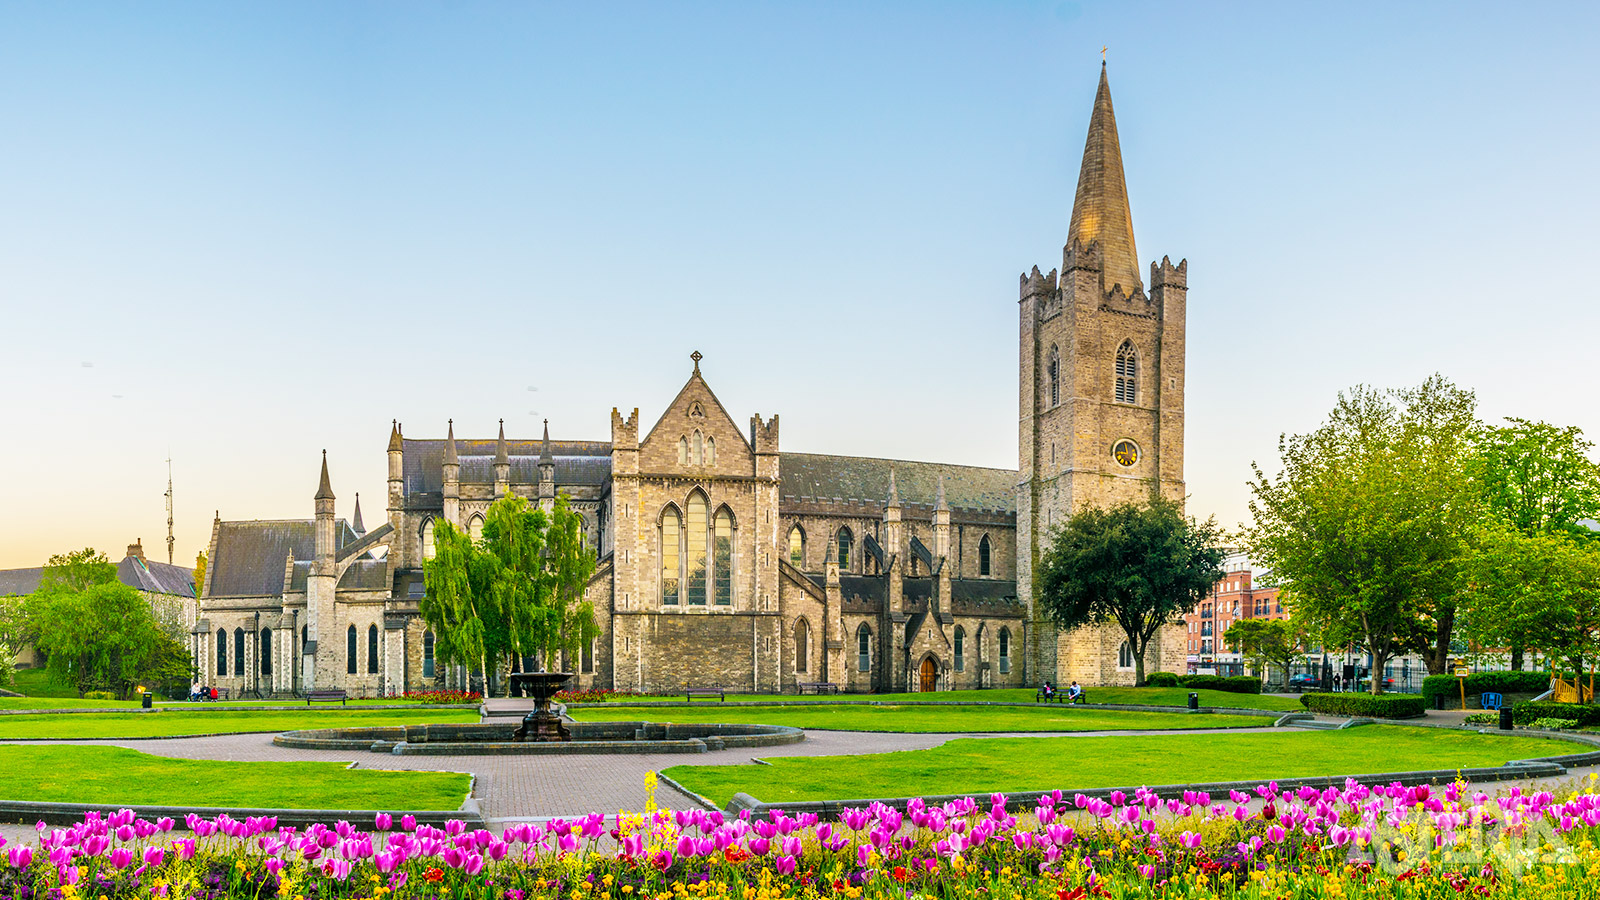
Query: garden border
x: 204, y: 708
x: 1538, y: 767
x: 831, y: 701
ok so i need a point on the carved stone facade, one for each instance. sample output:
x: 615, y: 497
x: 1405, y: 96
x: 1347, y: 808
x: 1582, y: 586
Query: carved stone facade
x: 725, y: 561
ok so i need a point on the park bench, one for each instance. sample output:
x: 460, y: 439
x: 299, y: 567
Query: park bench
x: 1039, y: 696
x: 689, y: 693
x: 218, y: 693
x: 817, y: 687
x: 327, y: 696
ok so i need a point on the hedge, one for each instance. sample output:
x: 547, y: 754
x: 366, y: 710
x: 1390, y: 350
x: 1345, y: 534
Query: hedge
x: 1526, y: 712
x: 1383, y: 706
x: 1162, y: 679
x: 1237, y: 684
x: 1478, y: 682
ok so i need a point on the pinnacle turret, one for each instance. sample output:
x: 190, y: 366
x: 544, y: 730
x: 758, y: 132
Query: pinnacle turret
x: 545, y: 456
x: 394, y: 436
x: 355, y: 523
x: 324, y: 489
x: 1100, y: 213
x: 451, y: 458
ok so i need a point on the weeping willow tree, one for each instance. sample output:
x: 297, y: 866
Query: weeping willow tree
x: 518, y: 592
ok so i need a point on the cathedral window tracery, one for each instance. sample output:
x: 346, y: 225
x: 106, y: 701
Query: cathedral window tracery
x: 1127, y: 390
x: 694, y: 557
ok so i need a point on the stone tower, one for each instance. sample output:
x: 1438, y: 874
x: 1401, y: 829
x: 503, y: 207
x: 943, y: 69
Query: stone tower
x: 1101, y: 397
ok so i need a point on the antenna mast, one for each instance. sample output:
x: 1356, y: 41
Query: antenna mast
x: 170, y: 539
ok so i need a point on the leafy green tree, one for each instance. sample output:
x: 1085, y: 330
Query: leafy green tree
x: 1536, y: 478
x: 199, y: 573
x: 103, y: 637
x: 1267, y: 642
x: 16, y: 634
x: 1536, y: 590
x: 518, y: 592
x: 76, y: 571
x: 1368, y: 523
x: 1137, y: 565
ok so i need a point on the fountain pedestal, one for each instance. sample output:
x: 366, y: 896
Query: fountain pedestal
x: 541, y: 724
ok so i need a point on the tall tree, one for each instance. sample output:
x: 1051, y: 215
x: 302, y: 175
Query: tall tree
x: 1367, y: 523
x: 1137, y: 565
x: 518, y: 592
x: 1536, y: 478
x: 105, y: 637
x: 1536, y: 590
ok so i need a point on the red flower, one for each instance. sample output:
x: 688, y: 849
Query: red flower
x: 1074, y: 894
x: 433, y: 875
x: 735, y: 853
x: 900, y: 873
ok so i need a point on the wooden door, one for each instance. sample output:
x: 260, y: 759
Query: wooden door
x: 930, y: 675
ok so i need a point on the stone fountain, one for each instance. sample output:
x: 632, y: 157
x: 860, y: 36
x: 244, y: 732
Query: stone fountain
x: 540, y: 724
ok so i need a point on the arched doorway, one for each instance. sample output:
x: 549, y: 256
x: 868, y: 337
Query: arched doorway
x: 929, y: 673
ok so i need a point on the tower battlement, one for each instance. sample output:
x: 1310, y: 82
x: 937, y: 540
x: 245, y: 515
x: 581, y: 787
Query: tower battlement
x: 1165, y: 274
x: 764, y: 434
x: 625, y: 432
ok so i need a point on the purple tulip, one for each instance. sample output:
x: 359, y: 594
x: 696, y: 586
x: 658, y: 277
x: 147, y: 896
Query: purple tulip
x: 120, y: 857
x: 408, y: 823
x: 785, y: 865
x: 154, y: 855
x: 20, y: 856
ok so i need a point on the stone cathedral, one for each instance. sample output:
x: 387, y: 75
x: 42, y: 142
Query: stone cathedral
x: 726, y: 560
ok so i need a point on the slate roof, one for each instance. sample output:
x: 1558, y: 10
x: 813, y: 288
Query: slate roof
x: 819, y: 477
x: 156, y: 577
x: 250, y: 555
x: 577, y: 462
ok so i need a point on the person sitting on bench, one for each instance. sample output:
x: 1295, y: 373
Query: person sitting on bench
x: 1048, y: 689
x: 1074, y: 693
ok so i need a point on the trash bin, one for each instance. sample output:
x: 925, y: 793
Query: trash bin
x: 144, y: 699
x: 1505, y: 718
x: 1194, y: 700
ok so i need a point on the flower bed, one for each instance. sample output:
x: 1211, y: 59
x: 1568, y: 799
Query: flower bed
x: 442, y: 696
x: 1350, y: 841
x: 602, y: 695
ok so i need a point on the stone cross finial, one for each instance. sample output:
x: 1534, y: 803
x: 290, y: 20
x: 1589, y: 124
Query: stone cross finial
x: 696, y: 357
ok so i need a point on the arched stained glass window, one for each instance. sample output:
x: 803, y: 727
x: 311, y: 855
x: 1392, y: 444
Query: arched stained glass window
x: 694, y: 550
x: 372, y: 649
x: 846, y: 541
x: 983, y: 556
x: 266, y: 651
x: 863, y: 648
x: 699, y: 449
x: 1127, y: 373
x: 670, y: 536
x: 722, y: 558
x: 222, y: 651
x: 238, y: 652
x: 350, y: 651
x: 427, y: 654
x: 797, y: 547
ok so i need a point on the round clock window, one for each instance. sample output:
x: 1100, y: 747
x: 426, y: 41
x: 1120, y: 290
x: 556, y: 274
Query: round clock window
x: 1126, y: 453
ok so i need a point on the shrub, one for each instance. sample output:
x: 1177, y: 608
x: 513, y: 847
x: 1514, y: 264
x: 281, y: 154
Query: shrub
x: 1478, y: 682
x: 1483, y: 719
x: 1555, y: 723
x: 99, y: 695
x: 1163, y: 680
x: 1527, y: 712
x: 1383, y: 706
x: 1237, y: 684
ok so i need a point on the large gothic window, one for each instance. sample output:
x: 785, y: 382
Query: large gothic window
x: 475, y: 528
x: 427, y: 538
x: 864, y: 648
x: 797, y: 547
x: 372, y: 649
x: 350, y: 651
x: 961, y: 649
x: 802, y: 646
x: 711, y: 451
x: 238, y: 652
x: 222, y: 651
x: 1124, y: 656
x: 1127, y: 373
x: 1005, y: 650
x: 427, y: 654
x: 1053, y: 376
x: 983, y: 556
x: 846, y: 539
x: 670, y: 536
x: 694, y: 556
x: 266, y: 651
x: 683, y: 451
x: 722, y: 559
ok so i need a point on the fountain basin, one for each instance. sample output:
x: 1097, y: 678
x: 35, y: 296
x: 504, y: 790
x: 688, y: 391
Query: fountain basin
x: 493, y: 739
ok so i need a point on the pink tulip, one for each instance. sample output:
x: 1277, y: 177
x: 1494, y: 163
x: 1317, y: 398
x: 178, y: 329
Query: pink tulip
x: 120, y: 857
x: 154, y: 855
x: 408, y: 823
x: 1276, y: 834
x: 785, y: 865
x: 20, y: 856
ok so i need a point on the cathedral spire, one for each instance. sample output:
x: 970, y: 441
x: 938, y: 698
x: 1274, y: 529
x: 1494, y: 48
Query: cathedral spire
x: 451, y: 458
x: 501, y: 457
x: 355, y: 524
x: 545, y: 456
x: 394, y: 436
x: 324, y: 490
x: 1100, y: 211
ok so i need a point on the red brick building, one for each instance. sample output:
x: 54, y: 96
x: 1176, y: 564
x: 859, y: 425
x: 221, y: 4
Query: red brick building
x: 1235, y: 596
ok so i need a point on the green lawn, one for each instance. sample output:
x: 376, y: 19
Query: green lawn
x: 1145, y: 696
x: 114, y: 776
x: 982, y: 765
x: 59, y: 726
x: 857, y: 717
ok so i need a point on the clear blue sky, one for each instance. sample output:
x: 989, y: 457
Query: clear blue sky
x: 246, y: 232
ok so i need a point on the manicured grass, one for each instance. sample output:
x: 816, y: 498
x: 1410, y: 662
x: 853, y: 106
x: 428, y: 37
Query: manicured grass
x: 919, y: 719
x: 37, y: 683
x: 78, y: 726
x: 982, y: 765
x: 115, y: 776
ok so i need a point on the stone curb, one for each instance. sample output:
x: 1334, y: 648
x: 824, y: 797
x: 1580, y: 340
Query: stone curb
x: 1540, y: 767
x: 492, y: 740
x: 671, y: 782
